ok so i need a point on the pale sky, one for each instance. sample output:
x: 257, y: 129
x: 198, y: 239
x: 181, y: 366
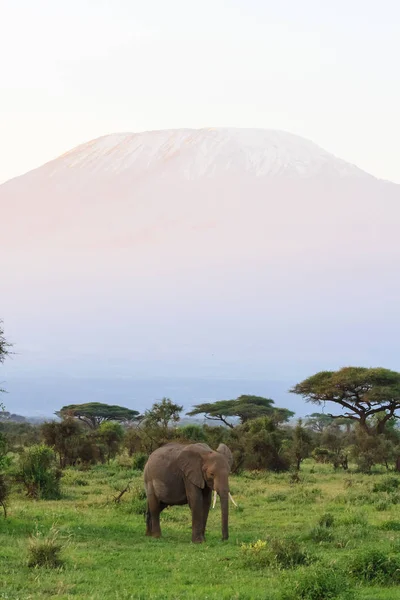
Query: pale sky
x: 72, y: 70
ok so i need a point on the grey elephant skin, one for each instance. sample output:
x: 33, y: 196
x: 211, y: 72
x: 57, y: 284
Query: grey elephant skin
x: 178, y: 474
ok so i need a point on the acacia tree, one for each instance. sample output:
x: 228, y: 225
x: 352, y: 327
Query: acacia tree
x: 245, y: 408
x: 4, y: 352
x: 95, y: 413
x: 163, y: 413
x: 369, y: 397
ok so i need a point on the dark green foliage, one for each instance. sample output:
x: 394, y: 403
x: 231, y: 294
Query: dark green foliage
x: 20, y: 435
x: 390, y: 526
x: 287, y: 554
x: 369, y: 450
x: 3, y: 494
x: 44, y: 551
x: 163, y: 413
x: 94, y: 413
x: 260, y: 444
x: 318, y: 583
x: 132, y: 440
x: 64, y: 438
x: 326, y: 520
x: 319, y: 534
x: 282, y: 554
x: 301, y: 445
x: 244, y: 408
x: 192, y: 433
x: 139, y: 461
x: 375, y: 566
x: 111, y: 436
x: 368, y: 396
x: 388, y: 484
x: 39, y: 474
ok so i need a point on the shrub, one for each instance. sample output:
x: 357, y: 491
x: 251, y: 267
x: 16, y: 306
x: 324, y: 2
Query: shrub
x: 192, y: 433
x: 390, y: 526
x: 388, y: 484
x: 44, y: 551
x: 39, y: 473
x: 288, y: 553
x: 326, y: 520
x: 139, y: 461
x: 320, y: 534
x: 318, y: 583
x: 255, y: 555
x: 284, y: 554
x: 375, y: 566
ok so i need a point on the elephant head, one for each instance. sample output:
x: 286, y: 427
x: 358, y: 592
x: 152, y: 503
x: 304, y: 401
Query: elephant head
x: 205, y: 467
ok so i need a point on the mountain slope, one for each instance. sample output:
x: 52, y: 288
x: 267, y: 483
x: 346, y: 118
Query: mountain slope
x: 218, y: 251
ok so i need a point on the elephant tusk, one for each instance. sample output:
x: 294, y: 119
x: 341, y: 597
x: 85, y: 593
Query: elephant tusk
x: 215, y: 499
x: 230, y: 496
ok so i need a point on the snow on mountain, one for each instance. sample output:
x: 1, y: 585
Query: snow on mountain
x: 221, y: 252
x: 203, y: 153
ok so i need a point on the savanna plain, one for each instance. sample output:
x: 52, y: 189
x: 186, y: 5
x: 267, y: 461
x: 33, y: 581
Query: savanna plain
x: 316, y: 535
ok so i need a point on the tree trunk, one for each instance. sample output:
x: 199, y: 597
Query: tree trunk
x: 398, y: 464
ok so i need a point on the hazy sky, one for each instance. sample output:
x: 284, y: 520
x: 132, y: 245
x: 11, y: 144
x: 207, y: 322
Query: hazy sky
x: 72, y: 70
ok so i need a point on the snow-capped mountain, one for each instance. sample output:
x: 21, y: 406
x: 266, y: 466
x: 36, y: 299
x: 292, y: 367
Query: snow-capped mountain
x: 193, y: 154
x: 223, y: 252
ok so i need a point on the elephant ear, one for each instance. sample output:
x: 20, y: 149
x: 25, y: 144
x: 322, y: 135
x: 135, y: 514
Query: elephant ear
x: 223, y: 449
x: 190, y: 462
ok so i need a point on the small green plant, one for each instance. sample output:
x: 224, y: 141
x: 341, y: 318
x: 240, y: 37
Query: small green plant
x: 139, y: 461
x: 44, y: 550
x: 277, y: 497
x: 255, y: 555
x: 326, y: 520
x: 318, y: 583
x: 39, y: 474
x: 376, y: 567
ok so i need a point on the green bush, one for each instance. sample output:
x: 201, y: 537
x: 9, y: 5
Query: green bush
x: 39, y: 474
x: 139, y: 461
x: 326, y: 520
x: 284, y: 554
x: 388, y: 484
x: 375, y: 566
x: 44, y: 551
x: 318, y: 583
x: 390, y: 526
x: 320, y: 534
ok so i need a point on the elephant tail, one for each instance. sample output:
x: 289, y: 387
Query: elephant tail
x: 148, y: 517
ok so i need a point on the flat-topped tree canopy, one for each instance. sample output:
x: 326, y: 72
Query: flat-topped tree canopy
x: 369, y: 396
x: 95, y: 413
x: 245, y: 407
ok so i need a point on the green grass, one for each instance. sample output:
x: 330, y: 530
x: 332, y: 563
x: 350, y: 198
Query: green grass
x: 106, y: 554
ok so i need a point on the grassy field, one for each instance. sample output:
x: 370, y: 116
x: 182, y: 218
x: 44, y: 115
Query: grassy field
x: 342, y: 529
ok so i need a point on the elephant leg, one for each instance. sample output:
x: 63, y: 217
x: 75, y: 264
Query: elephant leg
x: 196, y: 506
x: 207, y: 494
x: 153, y: 517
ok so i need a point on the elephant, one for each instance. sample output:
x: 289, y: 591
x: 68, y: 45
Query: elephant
x: 178, y: 474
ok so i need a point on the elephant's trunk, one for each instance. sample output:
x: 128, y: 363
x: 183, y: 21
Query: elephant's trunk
x: 225, y: 514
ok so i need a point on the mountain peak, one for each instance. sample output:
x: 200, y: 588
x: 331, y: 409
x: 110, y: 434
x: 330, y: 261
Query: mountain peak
x: 208, y: 152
